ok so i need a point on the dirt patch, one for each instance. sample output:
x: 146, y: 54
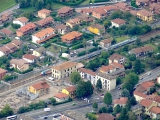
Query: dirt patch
x: 147, y: 37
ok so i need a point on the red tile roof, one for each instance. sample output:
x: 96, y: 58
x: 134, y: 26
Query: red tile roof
x: 155, y: 110
x: 22, y: 19
x: 146, y: 103
x: 27, y: 27
x: 18, y: 62
x: 145, y: 86
x: 71, y: 89
x: 61, y: 95
x: 122, y: 100
x: 117, y: 65
x: 72, y: 35
x: 84, y: 70
x: 106, y: 41
x: 140, y: 94
x: 6, y: 31
x: 29, y: 56
x: 118, y: 21
x: 41, y: 85
x: 44, y: 11
x: 2, y: 70
x: 106, y: 68
x: 144, y: 12
x: 105, y: 116
x: 115, y: 56
x: 45, y: 21
x: 5, y: 50
x: 64, y: 10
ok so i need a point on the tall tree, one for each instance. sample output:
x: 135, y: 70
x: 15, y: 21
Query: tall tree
x: 107, y: 98
x: 137, y: 67
x: 6, y: 111
x: 75, y: 77
x: 117, y: 109
x: 133, y: 101
x: 107, y: 24
x: 125, y: 93
x: 103, y: 110
x: 95, y: 105
x: 99, y: 84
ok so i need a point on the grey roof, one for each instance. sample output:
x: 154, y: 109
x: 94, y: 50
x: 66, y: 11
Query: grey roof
x: 104, y: 75
x: 137, y: 106
x: 40, y: 49
x: 117, y: 72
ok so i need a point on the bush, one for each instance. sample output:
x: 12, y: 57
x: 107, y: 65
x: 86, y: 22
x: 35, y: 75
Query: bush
x: 9, y: 77
x: 74, y: 3
x: 15, y: 26
x: 46, y: 45
x: 5, y: 41
x: 92, y: 49
x: 77, y: 46
x: 81, y: 53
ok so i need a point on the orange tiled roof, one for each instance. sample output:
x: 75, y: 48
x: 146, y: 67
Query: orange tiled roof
x: 64, y: 9
x: 155, y: 110
x: 105, y: 116
x: 117, y: 65
x: 115, y: 56
x: 44, y: 11
x: 118, y: 21
x: 140, y: 94
x: 146, y: 103
x: 71, y: 89
x: 106, y: 68
x: 122, y: 100
x: 60, y: 95
x: 27, y: 27
x: 22, y: 19
x: 6, y: 31
x: 41, y: 85
x: 2, y: 70
x: 44, y: 32
x: 144, y: 12
x: 29, y: 56
x: 84, y: 70
x: 72, y: 35
x: 45, y: 21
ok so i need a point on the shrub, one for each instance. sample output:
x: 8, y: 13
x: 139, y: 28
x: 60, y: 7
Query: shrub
x: 81, y: 53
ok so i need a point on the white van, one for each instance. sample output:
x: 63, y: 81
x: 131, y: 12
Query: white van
x: 47, y: 109
x: 50, y: 78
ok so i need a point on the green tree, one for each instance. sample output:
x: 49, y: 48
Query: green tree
x: 117, y: 109
x: 107, y: 24
x: 6, y: 111
x: 132, y: 57
x: 99, y: 84
x: 118, y: 80
x: 133, y: 101
x: 110, y: 109
x: 23, y: 109
x: 104, y: 54
x: 107, y: 98
x: 114, y: 41
x: 131, y: 116
x: 130, y: 81
x: 125, y: 93
x: 123, y: 115
x: 75, y: 77
x: 137, y: 67
x: 103, y: 110
x: 52, y: 100
x: 95, y: 105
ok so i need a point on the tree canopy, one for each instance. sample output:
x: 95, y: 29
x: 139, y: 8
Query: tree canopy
x: 107, y: 98
x: 75, y: 77
x: 99, y: 84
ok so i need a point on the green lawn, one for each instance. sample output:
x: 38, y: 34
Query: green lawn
x: 85, y: 2
x: 122, y: 38
x: 5, y: 4
x: 56, y: 5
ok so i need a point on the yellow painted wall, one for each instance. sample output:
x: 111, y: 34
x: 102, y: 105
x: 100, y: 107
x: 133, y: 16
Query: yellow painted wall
x: 32, y: 90
x: 65, y: 91
x: 94, y: 30
x: 145, y: 18
x: 36, y: 53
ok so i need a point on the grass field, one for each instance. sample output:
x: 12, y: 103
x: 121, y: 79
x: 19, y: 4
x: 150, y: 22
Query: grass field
x: 56, y: 5
x: 85, y: 2
x: 5, y: 4
x: 122, y: 38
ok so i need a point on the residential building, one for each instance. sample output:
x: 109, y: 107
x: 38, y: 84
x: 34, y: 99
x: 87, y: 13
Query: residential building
x: 117, y: 58
x: 64, y: 70
x: 88, y: 75
x: 73, y: 22
x: 137, y: 109
x: 6, y: 32
x: 105, y: 43
x: 139, y: 96
x: 155, y: 8
x: 113, y: 69
x: 61, y: 97
x: 118, y: 22
x: 87, y: 11
x: 99, y: 13
x: 96, y: 29
x: 2, y: 73
x: 65, y: 12
x: 154, y: 98
x: 121, y: 101
x: 122, y: 6
x: 27, y: 29
x: 19, y: 64
x: 22, y: 21
x: 10, y: 47
x: 62, y: 29
x: 44, y: 13
x: 141, y: 51
x: 71, y: 36
x: 108, y: 82
x: 147, y: 104
x: 145, y: 15
x: 154, y: 112
x: 39, y: 88
x: 106, y: 116
x: 6, y: 17
x: 70, y: 91
x: 145, y: 87
x: 29, y: 58
x: 45, y: 22
x: 86, y: 18
x: 39, y: 51
x: 142, y: 2
x: 43, y: 35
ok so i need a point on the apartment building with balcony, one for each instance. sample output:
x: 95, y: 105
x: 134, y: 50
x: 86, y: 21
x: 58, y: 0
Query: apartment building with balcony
x: 65, y: 12
x: 27, y: 29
